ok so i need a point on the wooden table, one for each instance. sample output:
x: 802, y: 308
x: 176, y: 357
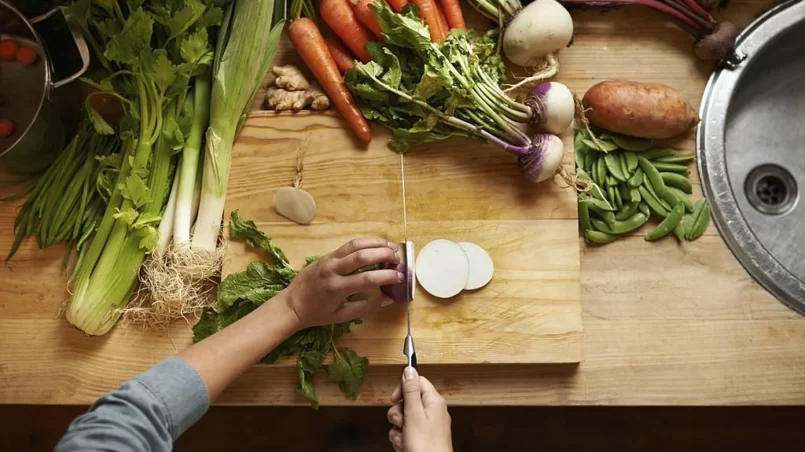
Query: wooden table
x: 664, y: 324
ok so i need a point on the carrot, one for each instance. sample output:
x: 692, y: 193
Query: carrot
x: 452, y: 11
x: 342, y: 58
x: 341, y: 18
x: 430, y: 14
x: 397, y: 5
x: 308, y: 41
x: 365, y: 17
x: 442, y: 19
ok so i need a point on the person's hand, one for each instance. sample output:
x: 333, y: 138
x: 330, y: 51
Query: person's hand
x: 421, y: 423
x: 318, y: 294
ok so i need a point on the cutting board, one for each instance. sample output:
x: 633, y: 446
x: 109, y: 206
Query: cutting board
x: 461, y: 190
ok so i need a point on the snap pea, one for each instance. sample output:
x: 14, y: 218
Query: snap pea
x: 580, y: 153
x: 597, y: 203
x: 607, y: 216
x: 682, y: 197
x: 632, y: 143
x: 650, y: 189
x: 634, y: 195
x: 618, y: 199
x: 627, y: 211
x: 605, y: 146
x: 700, y: 220
x: 671, y: 168
x: 652, y: 175
x: 624, y: 191
x: 636, y: 180
x: 631, y: 161
x: 679, y: 231
x: 614, y: 167
x: 624, y: 168
x: 658, y: 153
x: 668, y: 224
x: 599, y: 237
x: 677, y: 180
x: 601, y: 171
x: 584, y: 215
x: 643, y: 207
x: 589, y: 160
x: 621, y: 227
x: 653, y: 203
x: 670, y: 199
x: 611, y: 182
x: 679, y: 158
x: 595, y: 190
x: 611, y: 194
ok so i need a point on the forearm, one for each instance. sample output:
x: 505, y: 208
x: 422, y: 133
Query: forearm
x: 222, y: 357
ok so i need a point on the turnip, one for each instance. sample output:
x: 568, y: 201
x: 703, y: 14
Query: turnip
x: 552, y: 107
x: 404, y: 291
x: 481, y: 266
x: 442, y: 268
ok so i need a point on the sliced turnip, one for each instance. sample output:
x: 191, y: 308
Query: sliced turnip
x: 481, y: 266
x: 397, y: 292
x: 442, y: 268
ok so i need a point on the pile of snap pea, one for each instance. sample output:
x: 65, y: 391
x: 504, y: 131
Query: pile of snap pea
x: 631, y: 181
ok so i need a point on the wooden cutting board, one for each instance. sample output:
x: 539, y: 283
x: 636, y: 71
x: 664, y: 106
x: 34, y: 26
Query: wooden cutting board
x: 460, y: 190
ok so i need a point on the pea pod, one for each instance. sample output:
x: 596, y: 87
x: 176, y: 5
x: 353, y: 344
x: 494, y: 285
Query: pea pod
x: 627, y: 211
x: 595, y: 190
x: 679, y: 231
x: 699, y: 222
x: 624, y: 168
x: 618, y: 198
x: 624, y: 191
x: 621, y: 227
x: 650, y: 189
x: 658, y: 153
x: 603, y: 205
x: 580, y: 152
x: 611, y: 195
x: 643, y: 207
x: 671, y: 168
x: 670, y: 198
x: 605, y: 146
x: 653, y: 203
x: 589, y: 160
x: 634, y: 195
x: 668, y: 224
x: 653, y: 176
x: 679, y: 158
x: 611, y: 182
x: 599, y: 237
x: 606, y: 215
x: 584, y: 215
x: 601, y: 171
x: 632, y: 143
x: 677, y: 180
x: 636, y: 180
x: 614, y: 167
x: 631, y: 161
x: 682, y: 197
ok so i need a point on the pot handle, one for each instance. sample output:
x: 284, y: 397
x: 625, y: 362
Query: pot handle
x: 78, y: 38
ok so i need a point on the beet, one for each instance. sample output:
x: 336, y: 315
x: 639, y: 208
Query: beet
x: 717, y: 45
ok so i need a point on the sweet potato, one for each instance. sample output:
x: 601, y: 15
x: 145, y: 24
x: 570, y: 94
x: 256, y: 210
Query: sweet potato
x: 645, y: 110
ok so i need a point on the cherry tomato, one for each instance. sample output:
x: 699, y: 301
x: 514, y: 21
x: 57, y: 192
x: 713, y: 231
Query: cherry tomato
x: 8, y: 50
x: 26, y: 56
x: 6, y: 128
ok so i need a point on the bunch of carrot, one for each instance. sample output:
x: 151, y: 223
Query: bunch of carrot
x: 355, y: 25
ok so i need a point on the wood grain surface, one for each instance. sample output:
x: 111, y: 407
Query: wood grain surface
x: 461, y: 190
x: 664, y: 324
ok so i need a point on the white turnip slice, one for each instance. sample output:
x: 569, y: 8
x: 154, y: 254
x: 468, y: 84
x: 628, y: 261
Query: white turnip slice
x: 442, y: 268
x: 481, y: 266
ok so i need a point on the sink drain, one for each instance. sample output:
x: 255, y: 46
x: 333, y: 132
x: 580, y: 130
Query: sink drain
x: 771, y: 189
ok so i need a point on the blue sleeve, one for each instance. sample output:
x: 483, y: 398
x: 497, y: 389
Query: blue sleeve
x: 147, y: 413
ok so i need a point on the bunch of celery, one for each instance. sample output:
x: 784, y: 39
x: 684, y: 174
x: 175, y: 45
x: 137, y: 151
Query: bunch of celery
x: 156, y: 52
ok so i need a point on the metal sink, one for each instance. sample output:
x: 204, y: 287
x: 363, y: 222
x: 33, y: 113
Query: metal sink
x: 750, y: 150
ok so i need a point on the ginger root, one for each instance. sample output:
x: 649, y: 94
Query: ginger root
x: 289, y: 78
x: 281, y: 100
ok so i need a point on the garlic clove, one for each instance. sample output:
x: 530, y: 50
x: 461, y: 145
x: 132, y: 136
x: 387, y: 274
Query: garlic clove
x: 295, y: 204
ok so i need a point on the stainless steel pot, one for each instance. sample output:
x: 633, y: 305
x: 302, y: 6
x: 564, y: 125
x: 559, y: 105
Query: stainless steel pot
x: 26, y: 92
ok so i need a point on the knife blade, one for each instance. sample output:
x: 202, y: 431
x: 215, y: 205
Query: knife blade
x: 409, y: 350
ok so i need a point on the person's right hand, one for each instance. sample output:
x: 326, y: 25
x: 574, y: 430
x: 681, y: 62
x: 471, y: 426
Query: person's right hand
x: 421, y: 423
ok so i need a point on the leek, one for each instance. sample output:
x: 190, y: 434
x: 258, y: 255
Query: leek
x: 244, y: 52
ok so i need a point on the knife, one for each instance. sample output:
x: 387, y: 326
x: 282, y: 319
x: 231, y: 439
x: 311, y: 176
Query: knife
x: 409, y: 350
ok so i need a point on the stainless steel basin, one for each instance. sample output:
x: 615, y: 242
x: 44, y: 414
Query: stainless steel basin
x: 751, y: 151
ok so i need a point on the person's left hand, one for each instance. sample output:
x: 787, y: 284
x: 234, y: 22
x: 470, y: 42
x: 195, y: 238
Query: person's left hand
x: 318, y: 294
